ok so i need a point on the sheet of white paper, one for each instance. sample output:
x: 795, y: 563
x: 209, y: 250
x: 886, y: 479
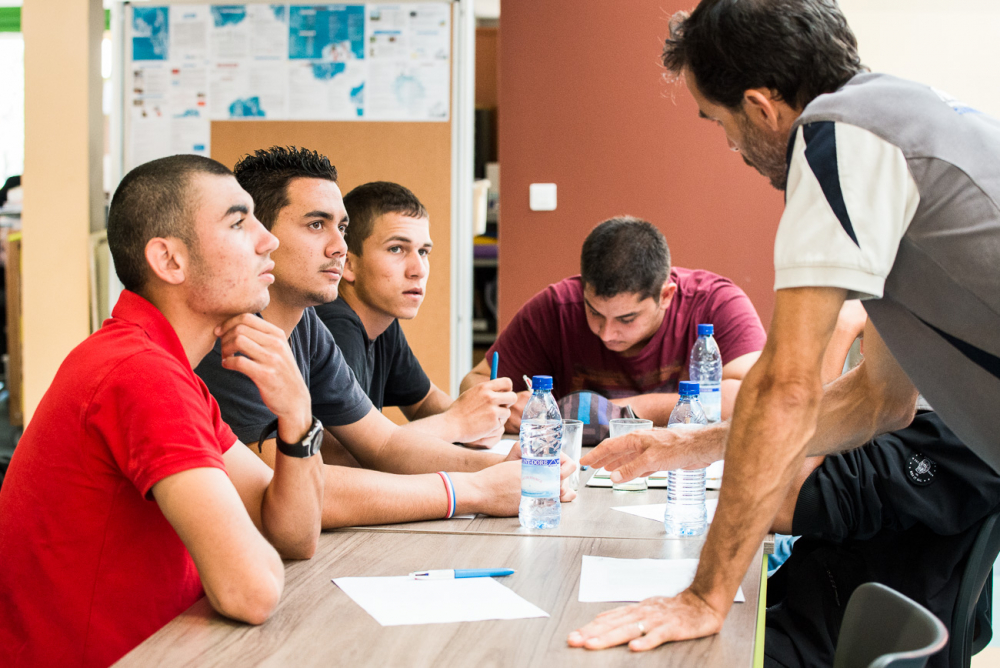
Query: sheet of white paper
x: 395, y: 601
x: 713, y: 477
x: 605, y: 579
x: 654, y: 511
x: 503, y: 447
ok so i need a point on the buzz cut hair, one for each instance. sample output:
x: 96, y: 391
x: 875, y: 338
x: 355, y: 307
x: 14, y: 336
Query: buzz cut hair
x: 154, y: 200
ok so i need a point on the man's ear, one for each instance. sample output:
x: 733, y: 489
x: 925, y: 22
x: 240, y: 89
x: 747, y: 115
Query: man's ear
x: 167, y: 259
x: 764, y: 108
x: 667, y: 293
x: 349, y: 263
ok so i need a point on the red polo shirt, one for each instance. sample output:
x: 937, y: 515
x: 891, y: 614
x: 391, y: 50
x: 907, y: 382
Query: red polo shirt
x: 89, y: 567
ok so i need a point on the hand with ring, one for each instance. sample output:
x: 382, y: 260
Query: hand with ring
x: 650, y: 623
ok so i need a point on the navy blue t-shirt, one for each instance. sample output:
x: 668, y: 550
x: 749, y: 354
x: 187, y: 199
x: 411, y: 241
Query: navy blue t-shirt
x: 337, y: 399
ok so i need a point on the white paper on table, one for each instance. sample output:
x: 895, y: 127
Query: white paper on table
x: 396, y: 601
x: 655, y: 511
x: 503, y: 447
x: 713, y: 477
x: 605, y: 579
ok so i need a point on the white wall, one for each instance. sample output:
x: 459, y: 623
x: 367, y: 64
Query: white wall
x: 953, y: 45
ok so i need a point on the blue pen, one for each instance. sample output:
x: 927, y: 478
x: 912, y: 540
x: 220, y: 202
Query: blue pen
x: 453, y: 574
x: 493, y: 367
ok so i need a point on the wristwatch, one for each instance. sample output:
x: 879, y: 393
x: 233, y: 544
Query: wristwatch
x: 307, y: 447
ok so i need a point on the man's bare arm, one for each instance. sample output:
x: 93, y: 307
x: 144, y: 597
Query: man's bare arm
x: 360, y: 497
x: 290, y: 502
x: 786, y: 511
x: 875, y: 397
x: 850, y: 325
x: 872, y: 399
x: 776, y: 414
x: 379, y: 444
x: 241, y: 572
x: 477, y: 417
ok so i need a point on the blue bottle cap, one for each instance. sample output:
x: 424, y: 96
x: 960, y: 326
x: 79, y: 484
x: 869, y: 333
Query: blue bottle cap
x: 689, y: 388
x: 706, y: 330
x: 541, y: 382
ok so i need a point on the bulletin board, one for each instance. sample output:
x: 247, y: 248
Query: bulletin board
x: 360, y: 83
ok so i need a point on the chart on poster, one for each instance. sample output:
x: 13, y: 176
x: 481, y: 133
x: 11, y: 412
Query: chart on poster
x: 190, y: 64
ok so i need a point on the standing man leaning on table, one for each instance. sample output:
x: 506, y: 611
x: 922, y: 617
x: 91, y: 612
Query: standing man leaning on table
x: 625, y: 326
x: 296, y: 197
x: 892, y: 197
x: 128, y: 497
x: 385, y: 275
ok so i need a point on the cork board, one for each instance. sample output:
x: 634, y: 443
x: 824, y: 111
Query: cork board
x: 416, y: 155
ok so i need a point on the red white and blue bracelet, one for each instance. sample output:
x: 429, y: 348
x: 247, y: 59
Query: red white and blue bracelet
x: 450, y: 489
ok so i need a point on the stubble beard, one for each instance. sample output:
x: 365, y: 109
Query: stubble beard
x: 764, y: 152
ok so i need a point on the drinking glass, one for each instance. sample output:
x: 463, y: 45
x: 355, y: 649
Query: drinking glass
x: 620, y: 427
x: 572, y: 445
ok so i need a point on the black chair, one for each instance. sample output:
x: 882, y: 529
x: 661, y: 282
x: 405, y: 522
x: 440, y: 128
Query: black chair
x: 883, y: 628
x: 971, y: 623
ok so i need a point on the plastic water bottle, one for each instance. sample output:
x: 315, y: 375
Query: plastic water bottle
x: 541, y: 440
x: 686, y: 514
x: 705, y: 368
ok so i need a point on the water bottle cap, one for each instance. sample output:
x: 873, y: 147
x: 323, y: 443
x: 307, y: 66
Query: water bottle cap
x: 706, y: 330
x: 541, y: 382
x: 688, y: 388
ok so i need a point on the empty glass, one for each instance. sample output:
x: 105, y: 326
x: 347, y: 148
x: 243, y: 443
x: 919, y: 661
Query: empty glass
x: 572, y: 445
x: 620, y: 427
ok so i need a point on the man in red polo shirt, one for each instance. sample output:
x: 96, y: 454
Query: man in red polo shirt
x: 125, y: 501
x: 625, y: 326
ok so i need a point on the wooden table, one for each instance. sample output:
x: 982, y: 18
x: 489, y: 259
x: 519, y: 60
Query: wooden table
x: 317, y: 624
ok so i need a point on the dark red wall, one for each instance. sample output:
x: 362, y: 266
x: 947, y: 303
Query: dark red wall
x: 585, y: 106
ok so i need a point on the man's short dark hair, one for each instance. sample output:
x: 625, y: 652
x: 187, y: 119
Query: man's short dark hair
x: 799, y: 48
x: 154, y: 200
x: 625, y: 255
x: 366, y: 203
x: 267, y: 173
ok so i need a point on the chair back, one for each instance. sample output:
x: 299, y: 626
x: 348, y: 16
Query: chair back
x: 965, y: 641
x: 883, y: 628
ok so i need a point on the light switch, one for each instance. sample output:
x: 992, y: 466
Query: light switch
x: 542, y: 196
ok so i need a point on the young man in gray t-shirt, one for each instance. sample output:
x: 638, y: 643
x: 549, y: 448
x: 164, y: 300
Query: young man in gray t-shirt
x: 297, y: 198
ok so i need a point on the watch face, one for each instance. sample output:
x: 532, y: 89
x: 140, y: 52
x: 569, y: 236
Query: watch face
x: 314, y: 439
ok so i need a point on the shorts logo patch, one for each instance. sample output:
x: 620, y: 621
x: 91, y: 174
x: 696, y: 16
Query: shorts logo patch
x: 921, y: 469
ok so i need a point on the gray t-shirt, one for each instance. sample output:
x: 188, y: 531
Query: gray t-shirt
x: 894, y: 195
x: 337, y: 399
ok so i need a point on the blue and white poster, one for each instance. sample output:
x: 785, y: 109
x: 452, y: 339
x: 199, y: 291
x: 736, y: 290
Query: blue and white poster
x: 150, y: 33
x: 194, y: 63
x: 326, y: 32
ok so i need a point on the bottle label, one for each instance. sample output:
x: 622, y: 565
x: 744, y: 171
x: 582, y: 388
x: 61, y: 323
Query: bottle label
x: 540, y: 477
x: 711, y: 401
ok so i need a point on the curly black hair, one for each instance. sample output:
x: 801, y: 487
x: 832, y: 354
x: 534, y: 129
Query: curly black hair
x: 799, y: 48
x: 267, y: 173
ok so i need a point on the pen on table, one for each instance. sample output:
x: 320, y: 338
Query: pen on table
x: 456, y: 573
x: 493, y: 366
x: 527, y: 382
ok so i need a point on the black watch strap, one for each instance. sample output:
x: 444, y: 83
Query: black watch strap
x: 307, y: 447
